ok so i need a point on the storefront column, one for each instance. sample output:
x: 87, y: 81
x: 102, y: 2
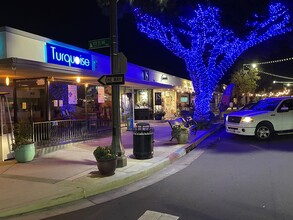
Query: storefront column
x: 14, y: 102
x: 132, y: 102
x: 47, y: 113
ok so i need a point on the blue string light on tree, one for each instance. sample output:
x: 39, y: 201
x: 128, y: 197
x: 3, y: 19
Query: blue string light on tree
x: 211, y: 49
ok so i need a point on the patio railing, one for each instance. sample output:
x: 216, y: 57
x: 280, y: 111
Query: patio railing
x: 50, y: 133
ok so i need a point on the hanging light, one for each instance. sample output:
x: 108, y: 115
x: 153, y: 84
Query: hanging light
x: 7, y: 81
x: 78, y: 79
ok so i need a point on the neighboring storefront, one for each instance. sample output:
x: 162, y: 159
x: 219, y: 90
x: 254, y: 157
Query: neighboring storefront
x: 51, y: 80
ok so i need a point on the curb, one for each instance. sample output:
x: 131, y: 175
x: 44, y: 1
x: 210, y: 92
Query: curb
x: 82, y: 189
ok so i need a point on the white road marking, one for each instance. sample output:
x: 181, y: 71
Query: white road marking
x: 151, y: 215
x: 256, y: 147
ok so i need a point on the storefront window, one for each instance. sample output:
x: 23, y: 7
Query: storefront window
x: 30, y: 99
x: 143, y: 104
x: 185, y: 103
x: 103, y: 102
x: 126, y: 104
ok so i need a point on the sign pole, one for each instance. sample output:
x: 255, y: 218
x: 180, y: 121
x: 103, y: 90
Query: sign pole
x: 116, y: 130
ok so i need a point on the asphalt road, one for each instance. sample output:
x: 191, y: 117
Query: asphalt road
x: 226, y: 177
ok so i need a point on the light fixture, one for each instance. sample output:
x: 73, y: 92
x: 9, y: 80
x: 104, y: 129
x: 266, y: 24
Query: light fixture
x: 7, y: 81
x: 164, y: 77
x: 78, y: 79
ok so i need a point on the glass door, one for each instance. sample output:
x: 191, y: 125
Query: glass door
x: 31, y: 99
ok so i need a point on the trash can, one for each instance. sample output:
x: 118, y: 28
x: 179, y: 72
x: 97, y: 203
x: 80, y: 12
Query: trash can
x: 129, y: 124
x: 143, y: 141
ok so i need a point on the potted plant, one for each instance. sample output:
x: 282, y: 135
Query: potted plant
x: 159, y: 114
x: 181, y: 133
x: 23, y: 146
x: 106, y: 160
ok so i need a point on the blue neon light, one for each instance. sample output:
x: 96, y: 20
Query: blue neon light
x: 67, y: 57
x: 209, y: 49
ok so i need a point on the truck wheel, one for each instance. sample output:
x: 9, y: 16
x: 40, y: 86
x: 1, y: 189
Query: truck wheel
x: 264, y: 131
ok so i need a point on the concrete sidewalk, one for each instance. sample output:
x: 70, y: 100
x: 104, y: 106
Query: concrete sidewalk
x: 71, y: 173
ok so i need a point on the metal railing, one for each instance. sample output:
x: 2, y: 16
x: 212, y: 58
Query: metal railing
x: 50, y: 133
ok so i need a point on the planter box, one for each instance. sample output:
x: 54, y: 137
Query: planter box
x: 107, y: 167
x: 183, y: 138
x: 25, y: 153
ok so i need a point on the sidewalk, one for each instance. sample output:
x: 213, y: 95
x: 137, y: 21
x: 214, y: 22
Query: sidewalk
x: 71, y: 173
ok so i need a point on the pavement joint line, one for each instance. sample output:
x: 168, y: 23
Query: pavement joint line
x: 30, y: 179
x: 44, y: 204
x: 8, y: 162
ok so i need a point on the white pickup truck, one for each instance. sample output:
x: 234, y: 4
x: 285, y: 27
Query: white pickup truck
x: 267, y: 117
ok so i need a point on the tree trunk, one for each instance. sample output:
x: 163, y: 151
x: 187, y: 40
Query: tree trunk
x: 203, y: 89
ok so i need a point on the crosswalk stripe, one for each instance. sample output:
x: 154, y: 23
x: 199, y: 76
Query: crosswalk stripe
x: 152, y: 215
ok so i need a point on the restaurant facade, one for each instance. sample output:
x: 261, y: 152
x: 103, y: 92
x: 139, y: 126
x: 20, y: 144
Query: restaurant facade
x: 48, y: 82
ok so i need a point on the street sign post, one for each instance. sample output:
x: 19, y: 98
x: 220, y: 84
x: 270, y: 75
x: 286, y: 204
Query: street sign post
x: 99, y: 43
x: 116, y: 79
x: 122, y: 63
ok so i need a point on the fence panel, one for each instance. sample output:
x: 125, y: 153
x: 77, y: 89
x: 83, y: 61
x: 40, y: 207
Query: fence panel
x: 50, y: 133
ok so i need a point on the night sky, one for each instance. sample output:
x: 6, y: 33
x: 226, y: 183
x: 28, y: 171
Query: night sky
x: 77, y: 22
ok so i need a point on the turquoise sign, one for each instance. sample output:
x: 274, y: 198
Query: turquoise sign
x: 67, y: 57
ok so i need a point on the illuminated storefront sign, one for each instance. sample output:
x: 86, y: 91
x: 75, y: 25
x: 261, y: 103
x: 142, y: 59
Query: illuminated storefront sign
x: 66, y: 57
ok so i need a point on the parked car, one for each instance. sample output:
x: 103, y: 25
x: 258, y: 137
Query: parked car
x: 267, y: 117
x: 248, y: 106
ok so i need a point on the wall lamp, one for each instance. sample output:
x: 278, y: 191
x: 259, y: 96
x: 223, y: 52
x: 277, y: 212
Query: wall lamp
x: 7, y: 81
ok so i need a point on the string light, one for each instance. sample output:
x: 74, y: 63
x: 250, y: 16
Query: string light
x: 208, y: 49
x: 285, y: 92
x: 274, y: 61
x: 271, y: 74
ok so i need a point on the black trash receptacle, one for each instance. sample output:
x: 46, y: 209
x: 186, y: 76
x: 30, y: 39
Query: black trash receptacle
x: 143, y: 141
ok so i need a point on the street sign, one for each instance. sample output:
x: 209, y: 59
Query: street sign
x: 99, y: 43
x: 112, y: 79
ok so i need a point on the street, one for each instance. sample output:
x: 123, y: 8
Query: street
x: 226, y: 177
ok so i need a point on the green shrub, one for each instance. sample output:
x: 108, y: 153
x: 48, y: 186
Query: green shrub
x: 177, y: 130
x: 104, y: 153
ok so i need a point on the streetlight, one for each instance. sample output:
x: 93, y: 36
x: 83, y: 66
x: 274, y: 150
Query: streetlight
x: 116, y: 129
x: 247, y: 66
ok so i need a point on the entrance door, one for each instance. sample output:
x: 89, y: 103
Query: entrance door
x: 30, y: 99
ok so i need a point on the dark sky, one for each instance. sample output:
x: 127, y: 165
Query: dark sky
x: 77, y: 22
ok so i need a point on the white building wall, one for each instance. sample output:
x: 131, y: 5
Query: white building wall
x: 24, y: 47
x: 2, y: 45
